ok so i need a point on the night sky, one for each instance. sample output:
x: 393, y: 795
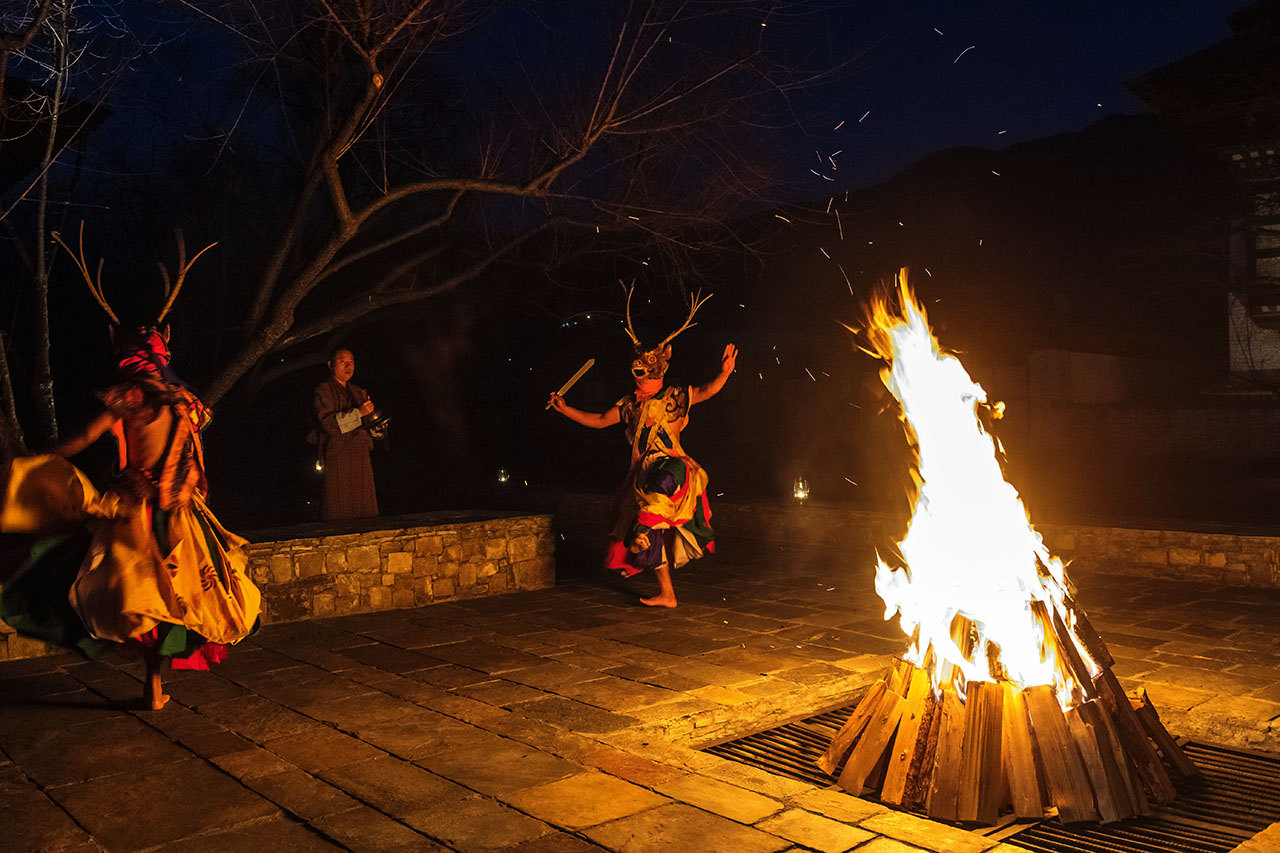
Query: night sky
x: 938, y: 74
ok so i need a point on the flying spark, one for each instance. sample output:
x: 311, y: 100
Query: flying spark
x: 839, y: 226
x: 838, y: 126
x: 811, y: 376
x: 963, y: 52
x: 864, y: 115
x: 938, y: 31
x: 783, y: 218
x: 824, y: 253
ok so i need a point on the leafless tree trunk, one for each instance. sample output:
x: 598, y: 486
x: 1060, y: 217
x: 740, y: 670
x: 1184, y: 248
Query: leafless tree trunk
x: 46, y: 417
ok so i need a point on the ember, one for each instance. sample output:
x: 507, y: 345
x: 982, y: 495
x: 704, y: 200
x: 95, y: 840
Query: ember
x: 1004, y: 700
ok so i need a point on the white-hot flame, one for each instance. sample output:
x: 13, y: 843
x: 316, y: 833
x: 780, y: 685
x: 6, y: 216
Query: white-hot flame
x: 970, y: 552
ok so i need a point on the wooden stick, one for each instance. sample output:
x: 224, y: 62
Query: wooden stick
x: 1164, y: 741
x: 904, y: 744
x: 943, y: 802
x: 1087, y: 743
x: 872, y: 744
x: 851, y: 729
x: 1019, y: 762
x: 1089, y: 637
x: 920, y: 776
x: 980, y: 756
x: 1066, y: 643
x: 1133, y: 737
x: 1123, y: 787
x: 1065, y: 775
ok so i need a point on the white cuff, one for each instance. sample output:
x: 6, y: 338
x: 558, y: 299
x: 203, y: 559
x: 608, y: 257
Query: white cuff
x: 349, y: 421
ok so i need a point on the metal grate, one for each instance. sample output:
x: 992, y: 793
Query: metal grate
x: 1236, y: 797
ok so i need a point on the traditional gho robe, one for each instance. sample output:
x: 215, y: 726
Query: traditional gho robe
x: 664, y: 488
x: 158, y: 570
x: 348, y: 474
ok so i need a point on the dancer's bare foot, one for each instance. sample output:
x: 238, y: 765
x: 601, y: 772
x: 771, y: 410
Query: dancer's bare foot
x: 659, y: 601
x: 153, y: 695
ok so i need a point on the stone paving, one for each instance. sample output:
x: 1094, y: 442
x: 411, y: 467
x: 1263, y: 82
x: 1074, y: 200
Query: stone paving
x: 559, y: 720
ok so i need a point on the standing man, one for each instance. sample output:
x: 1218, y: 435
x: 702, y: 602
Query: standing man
x: 348, y: 474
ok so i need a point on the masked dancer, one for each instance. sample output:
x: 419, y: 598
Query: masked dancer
x: 144, y: 564
x: 663, y: 519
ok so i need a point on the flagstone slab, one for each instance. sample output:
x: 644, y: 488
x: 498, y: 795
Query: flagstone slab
x: 476, y: 823
x: 839, y: 805
x: 926, y: 833
x: 391, y: 658
x: 486, y: 657
x: 815, y: 832
x: 320, y: 747
x: 680, y: 828
x: 363, y: 830
x: 276, y: 834
x: 576, y: 716
x: 110, y: 807
x: 393, y: 786
x: 560, y: 842
x: 500, y: 766
x: 301, y: 794
x: 551, y: 675
x: 27, y: 715
x: 584, y: 800
x: 450, y: 675
x: 501, y: 692
x: 256, y: 718
x: 720, y: 798
x: 195, y: 688
x: 57, y: 756
x: 617, y: 694
x: 31, y: 821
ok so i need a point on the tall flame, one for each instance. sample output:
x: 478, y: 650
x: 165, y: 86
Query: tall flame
x: 979, y: 592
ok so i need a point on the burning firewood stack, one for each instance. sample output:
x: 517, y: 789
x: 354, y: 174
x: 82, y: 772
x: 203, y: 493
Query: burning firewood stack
x: 1004, y: 701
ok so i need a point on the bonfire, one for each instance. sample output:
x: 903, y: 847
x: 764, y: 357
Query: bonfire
x: 1004, y: 700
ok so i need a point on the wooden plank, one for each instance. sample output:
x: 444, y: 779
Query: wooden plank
x: 1019, y: 762
x: 1133, y: 737
x: 899, y: 677
x: 979, y: 797
x: 904, y: 743
x: 1124, y: 788
x: 1164, y: 741
x: 849, y: 732
x: 1091, y: 639
x: 873, y: 743
x: 944, y: 789
x: 1064, y: 772
x: 920, y: 776
x: 1066, y: 644
x: 1087, y: 743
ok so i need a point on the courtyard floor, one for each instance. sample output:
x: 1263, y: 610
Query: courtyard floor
x: 560, y: 720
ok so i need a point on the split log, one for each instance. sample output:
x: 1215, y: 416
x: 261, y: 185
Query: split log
x: 851, y: 729
x: 1103, y: 796
x: 1120, y: 772
x: 920, y: 776
x: 980, y: 787
x: 904, y: 743
x: 1164, y: 741
x: 1065, y: 775
x: 1133, y: 736
x: 1018, y: 758
x: 870, y: 748
x: 944, y: 789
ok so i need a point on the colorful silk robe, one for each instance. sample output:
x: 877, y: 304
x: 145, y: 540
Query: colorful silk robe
x: 159, y: 570
x: 664, y: 490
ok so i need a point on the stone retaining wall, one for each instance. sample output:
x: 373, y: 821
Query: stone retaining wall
x: 1233, y: 558
x: 306, y: 571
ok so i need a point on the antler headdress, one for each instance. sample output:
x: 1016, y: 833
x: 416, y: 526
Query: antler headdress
x: 171, y: 286
x: 652, y: 363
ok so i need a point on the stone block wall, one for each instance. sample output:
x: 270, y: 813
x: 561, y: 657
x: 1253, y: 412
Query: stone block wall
x: 1233, y: 558
x: 423, y: 560
x: 401, y: 567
